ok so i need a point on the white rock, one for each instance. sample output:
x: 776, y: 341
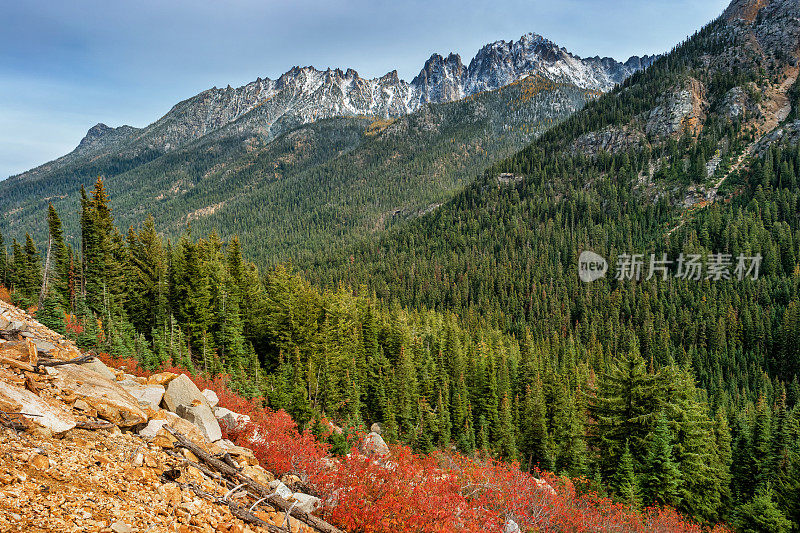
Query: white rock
x: 282, y: 490
x: 150, y: 395
x: 202, y: 417
x: 374, y: 445
x: 306, y: 502
x: 212, y: 398
x: 229, y: 419
x: 225, y: 444
x: 16, y: 399
x: 96, y: 365
x: 152, y: 427
x: 121, y: 527
x: 182, y: 391
x: 113, y: 403
x: 511, y: 527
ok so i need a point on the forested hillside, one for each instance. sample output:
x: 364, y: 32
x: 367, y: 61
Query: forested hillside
x: 696, y: 155
x: 629, y: 418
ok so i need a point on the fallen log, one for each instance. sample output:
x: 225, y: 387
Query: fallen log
x: 264, y: 492
x: 93, y: 425
x: 239, y: 512
x: 76, y: 361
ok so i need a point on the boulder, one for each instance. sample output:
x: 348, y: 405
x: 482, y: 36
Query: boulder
x: 162, y: 378
x: 121, y: 527
x: 202, y: 417
x: 511, y: 527
x: 242, y: 454
x: 282, y: 490
x: 182, y: 391
x: 374, y: 445
x: 4, y: 323
x: 306, y: 502
x: 15, y: 399
x: 112, y: 402
x: 260, y: 475
x: 230, y: 419
x: 376, y: 428
x: 151, y: 429
x: 212, y: 398
x: 177, y: 423
x: 96, y: 365
x: 43, y: 346
x: 225, y: 444
x: 150, y: 395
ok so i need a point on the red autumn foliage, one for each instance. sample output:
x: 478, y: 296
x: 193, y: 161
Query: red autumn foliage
x: 443, y: 492
x: 5, y: 295
x: 73, y: 325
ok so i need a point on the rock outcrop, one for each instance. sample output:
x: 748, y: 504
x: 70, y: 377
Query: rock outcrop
x: 374, y: 445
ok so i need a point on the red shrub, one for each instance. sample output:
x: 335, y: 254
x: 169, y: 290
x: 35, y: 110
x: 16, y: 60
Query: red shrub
x: 424, y: 494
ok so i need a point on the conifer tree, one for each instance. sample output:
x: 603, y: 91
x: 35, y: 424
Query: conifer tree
x: 624, y: 406
x: 57, y: 262
x: 661, y: 478
x: 626, y: 480
x: 51, y: 314
x: 761, y: 514
x: 761, y: 444
x: 27, y: 271
x: 534, y: 445
x: 103, y: 254
x: 406, y: 392
x: 506, y: 444
x: 147, y: 301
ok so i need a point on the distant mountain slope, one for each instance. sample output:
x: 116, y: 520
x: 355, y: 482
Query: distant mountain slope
x: 189, y: 164
x: 303, y: 95
x: 323, y: 184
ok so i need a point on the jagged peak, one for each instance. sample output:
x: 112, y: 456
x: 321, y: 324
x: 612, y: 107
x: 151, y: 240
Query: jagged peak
x: 390, y: 77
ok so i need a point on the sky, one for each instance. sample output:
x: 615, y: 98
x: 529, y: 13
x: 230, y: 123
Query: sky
x: 66, y: 66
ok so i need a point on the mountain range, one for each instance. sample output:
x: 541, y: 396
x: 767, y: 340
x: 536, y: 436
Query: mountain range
x: 458, y: 118
x: 305, y: 94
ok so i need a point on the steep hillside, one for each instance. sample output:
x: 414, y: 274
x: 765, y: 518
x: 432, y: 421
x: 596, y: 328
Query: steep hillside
x: 616, y: 175
x: 90, y: 447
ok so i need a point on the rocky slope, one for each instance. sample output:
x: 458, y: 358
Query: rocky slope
x: 84, y: 447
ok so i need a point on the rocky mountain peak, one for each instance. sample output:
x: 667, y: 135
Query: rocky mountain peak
x: 441, y: 79
x: 101, y: 135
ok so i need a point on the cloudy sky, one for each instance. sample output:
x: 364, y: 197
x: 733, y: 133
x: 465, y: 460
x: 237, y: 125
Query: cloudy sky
x: 65, y: 66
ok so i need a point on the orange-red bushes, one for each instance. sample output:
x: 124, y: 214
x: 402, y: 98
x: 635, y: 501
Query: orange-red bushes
x: 405, y: 493
x: 444, y: 492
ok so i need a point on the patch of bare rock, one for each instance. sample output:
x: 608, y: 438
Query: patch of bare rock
x: 84, y: 447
